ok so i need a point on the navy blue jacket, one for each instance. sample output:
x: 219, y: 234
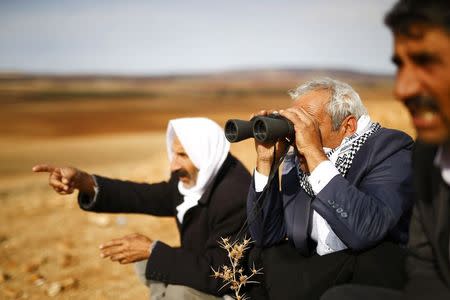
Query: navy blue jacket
x: 371, y: 204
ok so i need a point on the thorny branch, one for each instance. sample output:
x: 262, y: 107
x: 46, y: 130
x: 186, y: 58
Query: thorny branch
x: 234, y: 275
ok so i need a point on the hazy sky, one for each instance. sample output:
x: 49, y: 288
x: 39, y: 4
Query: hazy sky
x: 181, y: 36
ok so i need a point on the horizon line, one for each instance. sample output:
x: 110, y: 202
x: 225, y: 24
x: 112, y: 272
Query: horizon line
x: 191, y: 73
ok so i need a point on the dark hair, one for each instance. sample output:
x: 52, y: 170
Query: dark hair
x: 409, y: 12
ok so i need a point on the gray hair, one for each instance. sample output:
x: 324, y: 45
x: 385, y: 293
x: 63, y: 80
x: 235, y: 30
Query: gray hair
x: 344, y: 101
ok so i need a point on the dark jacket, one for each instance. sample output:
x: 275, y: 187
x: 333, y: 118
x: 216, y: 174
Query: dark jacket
x: 428, y: 265
x: 371, y: 204
x: 220, y: 213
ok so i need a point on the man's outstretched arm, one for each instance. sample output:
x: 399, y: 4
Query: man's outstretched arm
x: 101, y: 194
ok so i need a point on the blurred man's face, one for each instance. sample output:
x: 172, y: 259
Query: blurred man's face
x: 423, y: 80
x: 182, y: 166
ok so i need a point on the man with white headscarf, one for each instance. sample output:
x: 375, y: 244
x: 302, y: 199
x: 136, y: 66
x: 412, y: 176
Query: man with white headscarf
x: 206, y: 193
x: 342, y: 210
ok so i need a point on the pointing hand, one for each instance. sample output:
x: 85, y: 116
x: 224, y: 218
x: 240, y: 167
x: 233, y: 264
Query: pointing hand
x: 64, y: 180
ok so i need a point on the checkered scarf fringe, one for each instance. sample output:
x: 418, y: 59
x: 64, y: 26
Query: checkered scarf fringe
x: 344, y: 160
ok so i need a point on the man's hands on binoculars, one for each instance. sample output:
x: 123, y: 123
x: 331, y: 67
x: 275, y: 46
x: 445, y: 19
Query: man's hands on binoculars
x: 308, y: 140
x: 64, y: 180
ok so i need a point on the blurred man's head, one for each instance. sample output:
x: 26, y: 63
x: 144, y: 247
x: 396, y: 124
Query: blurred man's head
x: 422, y: 55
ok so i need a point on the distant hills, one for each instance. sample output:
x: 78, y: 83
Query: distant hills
x: 236, y: 74
x: 22, y: 86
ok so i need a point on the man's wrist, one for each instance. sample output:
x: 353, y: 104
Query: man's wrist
x: 314, y: 158
x: 87, y: 184
x: 263, y: 166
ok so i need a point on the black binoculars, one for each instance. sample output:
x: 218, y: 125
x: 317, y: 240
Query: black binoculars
x: 265, y: 129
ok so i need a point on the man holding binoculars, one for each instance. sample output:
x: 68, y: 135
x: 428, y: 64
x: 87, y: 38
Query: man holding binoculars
x: 345, y: 200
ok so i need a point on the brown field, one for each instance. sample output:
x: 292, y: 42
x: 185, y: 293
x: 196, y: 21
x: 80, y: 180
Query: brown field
x: 115, y: 127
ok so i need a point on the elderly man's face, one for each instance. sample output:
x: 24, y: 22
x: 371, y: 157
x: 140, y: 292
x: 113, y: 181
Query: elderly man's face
x: 182, y: 166
x: 423, y: 80
x: 315, y: 103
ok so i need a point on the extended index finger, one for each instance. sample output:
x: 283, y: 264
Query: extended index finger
x: 43, y: 168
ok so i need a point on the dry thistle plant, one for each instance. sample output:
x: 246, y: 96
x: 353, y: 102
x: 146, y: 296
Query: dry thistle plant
x: 234, y: 275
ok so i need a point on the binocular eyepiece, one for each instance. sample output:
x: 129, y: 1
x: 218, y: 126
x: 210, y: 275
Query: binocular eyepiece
x: 265, y: 129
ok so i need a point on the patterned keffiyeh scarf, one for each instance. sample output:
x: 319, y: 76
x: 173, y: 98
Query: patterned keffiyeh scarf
x: 342, y: 156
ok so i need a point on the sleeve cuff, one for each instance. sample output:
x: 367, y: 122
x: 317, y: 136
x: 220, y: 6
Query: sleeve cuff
x: 87, y: 202
x: 152, y: 247
x: 322, y: 175
x: 260, y: 181
x: 96, y: 189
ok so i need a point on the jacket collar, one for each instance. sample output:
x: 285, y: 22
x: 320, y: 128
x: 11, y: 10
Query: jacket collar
x: 219, y: 176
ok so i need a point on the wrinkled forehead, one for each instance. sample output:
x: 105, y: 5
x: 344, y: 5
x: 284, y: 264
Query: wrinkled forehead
x: 314, y: 102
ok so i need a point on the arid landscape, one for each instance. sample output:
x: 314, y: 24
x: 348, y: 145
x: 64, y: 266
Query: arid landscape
x: 115, y: 126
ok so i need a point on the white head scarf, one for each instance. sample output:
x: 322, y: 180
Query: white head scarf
x: 205, y: 144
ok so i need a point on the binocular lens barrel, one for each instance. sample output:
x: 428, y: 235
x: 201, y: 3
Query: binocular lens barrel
x: 265, y: 129
x: 271, y: 129
x: 238, y: 130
